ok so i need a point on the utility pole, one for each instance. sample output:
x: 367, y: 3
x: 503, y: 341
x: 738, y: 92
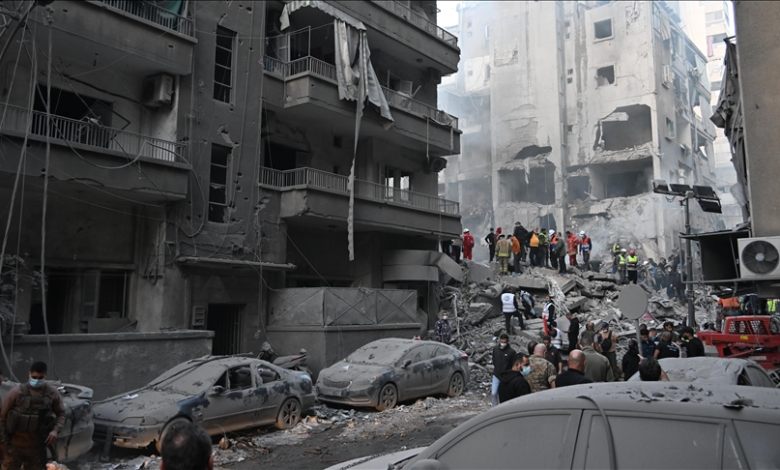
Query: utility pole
x: 688, y: 259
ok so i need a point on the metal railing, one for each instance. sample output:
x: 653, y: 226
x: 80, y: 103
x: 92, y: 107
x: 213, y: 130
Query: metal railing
x: 275, y: 66
x: 418, y: 20
x: 155, y: 14
x: 310, y: 177
x: 407, y: 103
x: 311, y: 65
x: 94, y: 135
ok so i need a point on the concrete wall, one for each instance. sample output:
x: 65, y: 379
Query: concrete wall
x: 758, y: 52
x: 110, y: 364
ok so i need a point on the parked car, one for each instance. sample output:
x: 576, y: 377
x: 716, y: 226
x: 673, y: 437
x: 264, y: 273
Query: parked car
x: 386, y: 371
x: 714, y: 370
x: 705, y: 427
x: 222, y: 393
x: 75, y: 439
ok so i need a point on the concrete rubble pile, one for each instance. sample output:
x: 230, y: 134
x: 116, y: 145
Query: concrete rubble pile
x: 591, y: 296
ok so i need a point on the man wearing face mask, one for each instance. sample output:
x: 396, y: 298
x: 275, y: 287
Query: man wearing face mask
x: 512, y: 382
x: 27, y: 422
x: 503, y: 359
x: 442, y: 330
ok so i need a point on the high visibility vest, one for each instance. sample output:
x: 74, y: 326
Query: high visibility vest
x: 503, y: 248
x: 771, y: 305
x: 621, y: 260
x: 615, y: 249
x: 632, y: 261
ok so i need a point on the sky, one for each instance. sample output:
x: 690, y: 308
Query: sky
x: 448, y: 16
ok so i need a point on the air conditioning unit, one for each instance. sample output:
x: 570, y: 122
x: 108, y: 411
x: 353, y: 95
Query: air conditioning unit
x: 759, y: 258
x: 157, y: 90
x: 436, y: 164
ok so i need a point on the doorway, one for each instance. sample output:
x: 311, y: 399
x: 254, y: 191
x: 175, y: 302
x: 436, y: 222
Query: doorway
x: 225, y: 321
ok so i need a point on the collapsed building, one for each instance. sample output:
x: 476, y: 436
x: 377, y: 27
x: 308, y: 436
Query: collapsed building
x: 569, y: 110
x: 181, y: 178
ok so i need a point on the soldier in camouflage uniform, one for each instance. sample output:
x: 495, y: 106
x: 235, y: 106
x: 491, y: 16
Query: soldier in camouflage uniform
x: 32, y: 417
x: 543, y: 373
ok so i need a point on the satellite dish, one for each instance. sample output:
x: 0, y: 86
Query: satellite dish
x: 632, y: 301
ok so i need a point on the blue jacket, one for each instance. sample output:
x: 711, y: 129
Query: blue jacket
x: 648, y: 348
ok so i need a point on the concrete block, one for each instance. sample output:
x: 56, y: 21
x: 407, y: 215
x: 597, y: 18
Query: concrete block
x: 575, y: 302
x: 448, y: 266
x: 565, y: 283
x: 478, y: 272
x: 526, y: 283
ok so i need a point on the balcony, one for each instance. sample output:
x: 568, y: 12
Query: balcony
x: 399, y: 9
x: 307, y: 192
x: 86, y: 151
x: 152, y: 39
x: 419, y: 122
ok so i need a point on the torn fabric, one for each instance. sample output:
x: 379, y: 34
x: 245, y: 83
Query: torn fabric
x: 666, y: 32
x: 322, y: 6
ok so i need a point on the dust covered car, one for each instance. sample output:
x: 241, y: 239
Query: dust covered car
x: 386, y: 371
x: 221, y: 393
x: 75, y: 439
x: 714, y: 370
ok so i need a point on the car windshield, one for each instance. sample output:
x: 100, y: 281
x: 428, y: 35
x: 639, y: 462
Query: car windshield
x: 189, y: 378
x: 378, y: 354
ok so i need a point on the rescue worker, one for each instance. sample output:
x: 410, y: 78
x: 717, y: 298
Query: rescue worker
x: 573, y: 244
x: 468, y: 244
x: 31, y: 419
x: 544, y: 249
x: 631, y: 266
x: 525, y: 305
x: 585, y: 248
x: 503, y: 250
x: 615, y: 253
x: 548, y: 314
x: 490, y: 239
x: 553, y: 244
x: 509, y: 308
x: 442, y: 329
x: 516, y: 254
x: 533, y: 244
x: 621, y: 266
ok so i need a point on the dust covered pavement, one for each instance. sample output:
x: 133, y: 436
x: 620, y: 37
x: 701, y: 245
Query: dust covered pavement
x: 325, y: 437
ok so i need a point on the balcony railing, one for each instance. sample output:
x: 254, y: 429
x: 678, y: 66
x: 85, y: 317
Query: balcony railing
x: 328, y: 71
x: 150, y: 12
x: 418, y: 20
x: 93, y: 135
x: 319, y: 179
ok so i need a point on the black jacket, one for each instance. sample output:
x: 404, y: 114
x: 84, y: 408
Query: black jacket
x: 571, y: 377
x: 491, y: 239
x: 630, y: 364
x: 694, y: 347
x: 521, y: 233
x: 503, y: 359
x: 512, y: 384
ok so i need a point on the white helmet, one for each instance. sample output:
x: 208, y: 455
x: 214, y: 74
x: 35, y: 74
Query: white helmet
x: 465, y: 230
x: 582, y: 233
x: 552, y: 232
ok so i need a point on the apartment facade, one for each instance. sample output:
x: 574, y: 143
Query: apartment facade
x: 588, y: 103
x: 198, y: 162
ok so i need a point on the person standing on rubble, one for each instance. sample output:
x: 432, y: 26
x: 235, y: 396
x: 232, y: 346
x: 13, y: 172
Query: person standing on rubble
x: 548, y: 313
x: 503, y: 250
x: 543, y: 373
x: 573, y: 245
x: 32, y: 417
x: 509, y: 308
x: 442, y: 329
x: 525, y: 303
x: 608, y: 340
x: 456, y: 247
x: 521, y: 234
x: 533, y: 246
x: 560, y: 253
x: 490, y: 239
x: 615, y: 254
x: 553, y: 354
x: 597, y: 367
x: 512, y: 383
x: 551, y: 254
x: 468, y: 244
x: 586, y: 246
x: 544, y: 249
x: 679, y: 285
x: 693, y: 345
x: 573, y: 332
x: 516, y: 255
x: 666, y: 348
x: 503, y: 359
x: 632, y: 262
x: 631, y: 359
x: 648, y: 345
x: 621, y: 264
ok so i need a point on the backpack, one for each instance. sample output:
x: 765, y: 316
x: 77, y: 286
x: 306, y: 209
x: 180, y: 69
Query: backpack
x: 606, y: 343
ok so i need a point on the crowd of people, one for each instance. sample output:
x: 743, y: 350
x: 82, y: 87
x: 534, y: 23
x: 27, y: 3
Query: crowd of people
x: 662, y: 275
x: 592, y: 357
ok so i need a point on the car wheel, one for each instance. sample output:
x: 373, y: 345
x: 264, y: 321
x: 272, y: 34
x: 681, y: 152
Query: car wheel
x: 289, y: 414
x: 457, y: 384
x: 388, y: 397
x: 158, y: 444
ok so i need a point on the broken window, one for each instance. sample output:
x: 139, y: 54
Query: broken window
x: 624, y: 128
x: 579, y: 188
x: 690, y: 56
x: 568, y: 80
x: 570, y: 72
x: 605, y: 76
x: 225, y: 321
x: 104, y: 294
x: 621, y: 179
x: 537, y: 186
x: 603, y: 29
x: 223, y: 64
x: 240, y: 378
x: 218, y: 183
x: 671, y: 130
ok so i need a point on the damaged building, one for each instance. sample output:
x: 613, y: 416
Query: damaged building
x: 201, y: 179
x: 570, y: 110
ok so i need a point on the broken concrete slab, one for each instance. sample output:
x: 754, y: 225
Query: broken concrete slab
x: 565, y: 283
x: 448, y: 266
x: 604, y: 277
x: 478, y: 272
x: 575, y: 302
x: 525, y: 283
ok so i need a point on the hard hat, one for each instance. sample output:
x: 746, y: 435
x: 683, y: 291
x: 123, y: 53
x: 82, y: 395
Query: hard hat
x: 465, y: 230
x: 622, y: 250
x: 582, y: 233
x: 552, y: 232
x: 632, y: 252
x: 645, y: 262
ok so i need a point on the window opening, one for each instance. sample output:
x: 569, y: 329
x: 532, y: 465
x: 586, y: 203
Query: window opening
x: 225, y: 321
x: 218, y: 203
x: 603, y: 29
x: 223, y: 65
x: 605, y: 76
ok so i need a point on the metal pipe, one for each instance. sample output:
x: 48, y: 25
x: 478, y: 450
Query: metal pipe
x: 689, y: 261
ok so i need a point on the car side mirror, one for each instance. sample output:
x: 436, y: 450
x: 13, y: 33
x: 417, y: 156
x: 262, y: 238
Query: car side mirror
x: 406, y: 363
x: 216, y: 390
x: 427, y: 464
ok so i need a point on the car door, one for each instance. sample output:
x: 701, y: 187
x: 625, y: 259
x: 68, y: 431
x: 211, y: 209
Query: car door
x: 416, y: 377
x: 271, y: 387
x: 237, y: 405
x: 442, y: 367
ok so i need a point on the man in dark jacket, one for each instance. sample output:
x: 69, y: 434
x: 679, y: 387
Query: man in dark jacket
x: 573, y: 331
x: 503, y: 359
x: 693, y: 345
x: 522, y: 236
x: 648, y: 345
x: 512, y: 382
x: 490, y: 239
x: 666, y: 348
x: 575, y: 374
x: 560, y: 253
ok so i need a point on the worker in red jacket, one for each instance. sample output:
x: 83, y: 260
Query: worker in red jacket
x: 573, y: 243
x: 468, y: 244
